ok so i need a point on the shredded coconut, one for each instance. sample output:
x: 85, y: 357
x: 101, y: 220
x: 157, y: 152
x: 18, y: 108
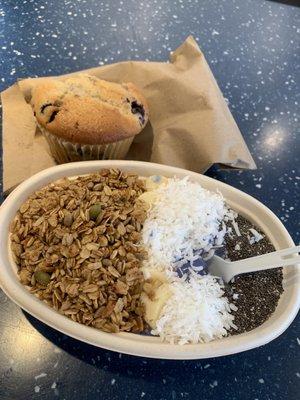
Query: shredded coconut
x: 183, y: 224
x: 37, y: 389
x: 236, y: 228
x: 256, y: 235
x: 196, y: 312
x: 42, y: 375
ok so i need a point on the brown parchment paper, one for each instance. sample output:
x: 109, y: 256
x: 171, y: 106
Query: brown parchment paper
x: 190, y: 124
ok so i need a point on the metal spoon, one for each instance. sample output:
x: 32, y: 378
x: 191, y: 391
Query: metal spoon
x: 227, y: 270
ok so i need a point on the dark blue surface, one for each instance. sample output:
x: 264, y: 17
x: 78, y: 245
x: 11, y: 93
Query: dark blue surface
x: 253, y: 50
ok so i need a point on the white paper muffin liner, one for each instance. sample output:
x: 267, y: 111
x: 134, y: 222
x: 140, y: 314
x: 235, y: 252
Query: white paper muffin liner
x: 64, y: 151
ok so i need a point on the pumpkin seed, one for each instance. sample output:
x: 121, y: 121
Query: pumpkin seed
x: 95, y: 210
x: 42, y: 277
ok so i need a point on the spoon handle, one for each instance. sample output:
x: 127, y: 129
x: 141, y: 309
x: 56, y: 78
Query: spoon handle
x: 280, y: 258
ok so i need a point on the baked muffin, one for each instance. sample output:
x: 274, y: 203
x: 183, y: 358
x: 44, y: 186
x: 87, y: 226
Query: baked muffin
x: 85, y: 118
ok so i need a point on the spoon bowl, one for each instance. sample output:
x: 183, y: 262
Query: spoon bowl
x: 228, y: 270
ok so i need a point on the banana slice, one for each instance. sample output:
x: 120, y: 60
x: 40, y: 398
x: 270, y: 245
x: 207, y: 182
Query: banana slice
x: 154, y: 181
x: 148, y: 198
x: 156, y: 293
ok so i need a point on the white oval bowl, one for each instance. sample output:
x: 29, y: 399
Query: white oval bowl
x: 141, y: 345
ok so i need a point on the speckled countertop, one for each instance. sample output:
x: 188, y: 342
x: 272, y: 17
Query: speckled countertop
x: 253, y: 49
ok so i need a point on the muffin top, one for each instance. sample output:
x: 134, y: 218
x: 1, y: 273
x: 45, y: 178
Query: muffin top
x: 87, y: 110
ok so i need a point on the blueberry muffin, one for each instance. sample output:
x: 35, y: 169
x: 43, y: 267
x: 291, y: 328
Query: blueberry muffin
x: 85, y: 118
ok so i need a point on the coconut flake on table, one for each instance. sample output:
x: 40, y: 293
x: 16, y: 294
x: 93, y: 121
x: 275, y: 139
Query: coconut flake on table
x: 197, y: 312
x: 183, y: 224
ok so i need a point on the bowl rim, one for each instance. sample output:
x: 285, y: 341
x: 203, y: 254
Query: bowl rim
x: 130, y: 343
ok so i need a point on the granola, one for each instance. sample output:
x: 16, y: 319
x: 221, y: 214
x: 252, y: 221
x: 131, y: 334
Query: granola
x: 75, y: 243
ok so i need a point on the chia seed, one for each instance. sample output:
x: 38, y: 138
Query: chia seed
x: 255, y: 294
